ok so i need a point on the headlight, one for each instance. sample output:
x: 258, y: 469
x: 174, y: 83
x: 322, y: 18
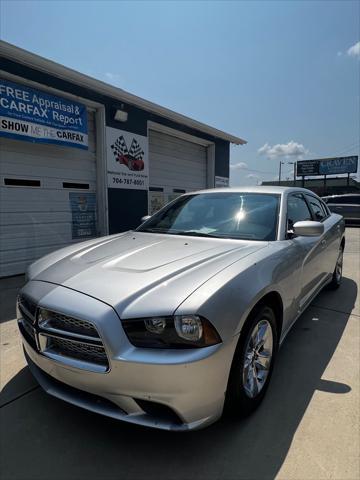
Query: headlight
x: 181, y: 331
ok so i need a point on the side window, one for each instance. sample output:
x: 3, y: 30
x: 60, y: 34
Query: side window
x: 326, y: 209
x: 297, y: 210
x: 317, y: 208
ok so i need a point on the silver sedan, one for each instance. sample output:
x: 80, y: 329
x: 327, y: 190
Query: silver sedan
x: 180, y: 320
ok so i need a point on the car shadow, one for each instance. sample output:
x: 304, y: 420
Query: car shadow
x: 44, y: 438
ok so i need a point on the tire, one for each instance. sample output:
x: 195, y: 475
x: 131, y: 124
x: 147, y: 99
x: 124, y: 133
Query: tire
x: 241, y: 400
x: 337, y: 274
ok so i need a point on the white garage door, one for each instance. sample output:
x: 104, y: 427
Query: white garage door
x: 176, y: 166
x: 36, y: 182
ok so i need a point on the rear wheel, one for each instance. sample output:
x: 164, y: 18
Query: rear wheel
x: 337, y: 274
x: 253, y: 362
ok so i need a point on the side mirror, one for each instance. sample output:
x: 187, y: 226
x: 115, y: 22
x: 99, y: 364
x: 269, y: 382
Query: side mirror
x: 308, y: 228
x: 146, y: 217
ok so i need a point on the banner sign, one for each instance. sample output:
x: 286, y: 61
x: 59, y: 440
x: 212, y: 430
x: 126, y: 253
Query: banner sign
x: 83, y: 210
x: 36, y: 116
x: 127, y: 160
x: 332, y: 166
x: 327, y: 166
x: 307, y: 167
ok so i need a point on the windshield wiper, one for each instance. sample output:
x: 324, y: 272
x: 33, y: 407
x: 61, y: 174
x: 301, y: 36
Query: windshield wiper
x: 153, y: 230
x: 194, y: 233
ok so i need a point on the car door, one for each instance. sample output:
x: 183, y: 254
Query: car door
x: 330, y: 241
x: 310, y: 249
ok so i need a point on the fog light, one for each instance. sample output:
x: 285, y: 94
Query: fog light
x: 189, y: 327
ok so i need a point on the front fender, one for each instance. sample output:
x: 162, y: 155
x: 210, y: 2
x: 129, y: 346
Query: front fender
x: 228, y: 298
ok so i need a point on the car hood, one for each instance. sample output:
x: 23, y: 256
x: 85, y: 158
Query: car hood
x: 141, y: 274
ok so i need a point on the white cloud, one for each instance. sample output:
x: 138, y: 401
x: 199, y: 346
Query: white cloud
x: 238, y: 166
x: 290, y: 149
x: 354, y: 51
x: 252, y: 175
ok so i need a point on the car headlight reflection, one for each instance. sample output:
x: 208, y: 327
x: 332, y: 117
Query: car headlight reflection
x: 180, y: 331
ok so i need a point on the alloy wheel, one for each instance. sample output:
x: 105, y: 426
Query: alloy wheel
x: 258, y: 357
x: 339, y: 266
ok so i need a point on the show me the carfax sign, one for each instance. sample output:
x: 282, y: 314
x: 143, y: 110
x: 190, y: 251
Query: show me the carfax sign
x: 36, y: 116
x: 127, y: 159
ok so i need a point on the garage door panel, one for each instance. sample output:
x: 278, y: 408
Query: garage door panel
x: 180, y: 175
x: 35, y: 218
x: 12, y: 232
x: 37, y: 200
x: 160, y: 140
x: 178, y: 150
x: 26, y: 242
x: 179, y: 169
x: 163, y: 161
x: 28, y: 254
x: 40, y: 158
x: 12, y: 268
x: 66, y: 171
x: 35, y: 221
x: 22, y: 160
x: 181, y: 182
x: 43, y: 151
x: 176, y: 163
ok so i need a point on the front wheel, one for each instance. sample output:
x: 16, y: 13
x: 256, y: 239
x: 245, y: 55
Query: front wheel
x: 253, y: 362
x: 337, y: 274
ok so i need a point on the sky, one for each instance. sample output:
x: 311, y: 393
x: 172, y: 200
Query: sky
x: 283, y: 75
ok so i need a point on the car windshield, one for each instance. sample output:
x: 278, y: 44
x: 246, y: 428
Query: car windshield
x: 247, y: 216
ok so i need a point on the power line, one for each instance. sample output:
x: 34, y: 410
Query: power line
x: 346, y: 149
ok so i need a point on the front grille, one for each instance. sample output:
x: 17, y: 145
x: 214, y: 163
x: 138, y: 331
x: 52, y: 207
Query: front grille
x: 26, y: 304
x: 57, y: 321
x: 62, y: 337
x: 27, y: 329
x: 78, y: 350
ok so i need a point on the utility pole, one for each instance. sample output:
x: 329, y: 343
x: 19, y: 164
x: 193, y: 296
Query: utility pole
x: 293, y: 163
x: 281, y: 163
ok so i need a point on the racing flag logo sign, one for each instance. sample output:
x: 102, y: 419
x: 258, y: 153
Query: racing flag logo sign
x: 132, y: 158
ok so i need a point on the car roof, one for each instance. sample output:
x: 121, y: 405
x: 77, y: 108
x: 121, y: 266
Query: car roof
x: 254, y: 189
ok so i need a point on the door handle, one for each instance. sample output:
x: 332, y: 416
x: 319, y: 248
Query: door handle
x: 323, y: 242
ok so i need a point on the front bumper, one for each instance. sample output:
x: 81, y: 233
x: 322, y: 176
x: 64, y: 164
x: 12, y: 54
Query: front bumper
x: 168, y: 389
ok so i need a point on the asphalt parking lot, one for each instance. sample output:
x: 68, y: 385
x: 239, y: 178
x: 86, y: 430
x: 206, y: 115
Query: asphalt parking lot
x: 306, y: 428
